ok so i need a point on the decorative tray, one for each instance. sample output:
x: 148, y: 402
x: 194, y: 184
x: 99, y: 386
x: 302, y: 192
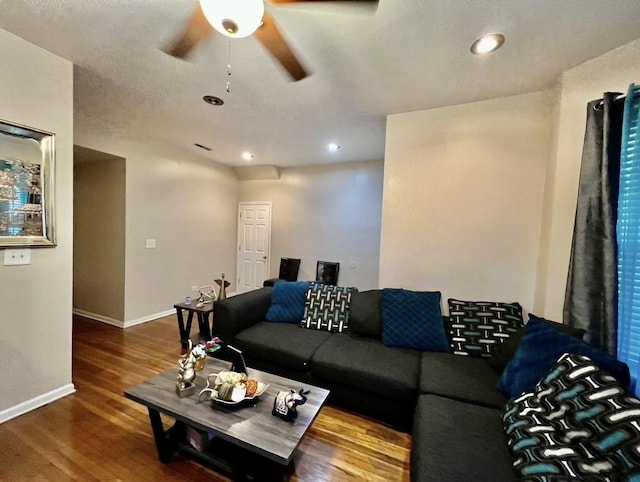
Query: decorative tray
x: 262, y: 387
x: 231, y: 388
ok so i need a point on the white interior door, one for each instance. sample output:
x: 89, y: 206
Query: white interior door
x: 254, y: 244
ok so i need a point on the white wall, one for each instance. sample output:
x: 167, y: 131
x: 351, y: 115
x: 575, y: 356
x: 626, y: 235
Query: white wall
x: 36, y: 89
x: 186, y: 203
x: 329, y: 213
x: 611, y: 72
x: 462, y: 203
x: 99, y: 227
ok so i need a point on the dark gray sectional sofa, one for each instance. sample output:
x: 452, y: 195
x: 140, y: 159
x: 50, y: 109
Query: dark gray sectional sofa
x: 449, y: 403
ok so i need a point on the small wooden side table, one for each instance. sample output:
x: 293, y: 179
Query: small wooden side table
x: 203, y: 313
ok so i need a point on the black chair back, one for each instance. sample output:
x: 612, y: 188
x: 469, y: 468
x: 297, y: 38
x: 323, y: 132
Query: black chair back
x: 327, y: 272
x: 289, y: 268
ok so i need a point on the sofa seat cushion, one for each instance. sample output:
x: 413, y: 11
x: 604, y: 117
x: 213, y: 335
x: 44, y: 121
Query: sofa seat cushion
x: 368, y: 365
x: 468, y: 379
x: 456, y: 441
x: 281, y: 344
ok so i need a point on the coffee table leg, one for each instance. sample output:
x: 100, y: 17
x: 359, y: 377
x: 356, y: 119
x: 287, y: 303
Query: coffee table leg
x: 166, y: 442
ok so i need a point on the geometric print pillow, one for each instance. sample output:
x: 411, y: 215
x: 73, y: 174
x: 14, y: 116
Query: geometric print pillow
x: 476, y: 326
x: 577, y: 424
x: 326, y: 307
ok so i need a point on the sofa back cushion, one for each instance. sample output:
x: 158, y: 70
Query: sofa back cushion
x: 365, y: 313
x: 476, y: 327
x: 287, y: 302
x: 538, y: 352
x: 577, y: 424
x: 413, y: 319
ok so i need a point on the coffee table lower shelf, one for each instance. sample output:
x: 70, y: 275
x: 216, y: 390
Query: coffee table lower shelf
x: 222, y: 456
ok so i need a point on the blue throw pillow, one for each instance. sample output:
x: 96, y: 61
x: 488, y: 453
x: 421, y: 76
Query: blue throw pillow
x: 412, y: 319
x: 287, y: 301
x: 539, y: 351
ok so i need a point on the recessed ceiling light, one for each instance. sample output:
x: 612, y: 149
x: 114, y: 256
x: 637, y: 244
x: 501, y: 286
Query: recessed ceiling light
x: 333, y: 147
x: 213, y: 100
x: 247, y: 156
x: 487, y: 44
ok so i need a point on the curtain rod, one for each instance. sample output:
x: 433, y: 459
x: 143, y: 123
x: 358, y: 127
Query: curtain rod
x: 620, y: 97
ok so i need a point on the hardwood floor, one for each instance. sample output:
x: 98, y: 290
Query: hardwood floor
x: 96, y: 434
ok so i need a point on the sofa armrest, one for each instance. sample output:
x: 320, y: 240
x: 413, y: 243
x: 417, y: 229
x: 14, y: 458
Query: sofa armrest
x: 237, y: 313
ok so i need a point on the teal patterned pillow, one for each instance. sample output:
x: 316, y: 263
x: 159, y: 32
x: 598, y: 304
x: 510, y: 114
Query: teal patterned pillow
x: 413, y: 319
x: 475, y: 327
x: 326, y: 307
x: 577, y: 424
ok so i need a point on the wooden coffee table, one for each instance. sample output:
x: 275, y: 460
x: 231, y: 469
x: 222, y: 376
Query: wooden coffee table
x: 248, y: 443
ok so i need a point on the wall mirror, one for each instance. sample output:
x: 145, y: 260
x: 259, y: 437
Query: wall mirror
x: 27, y: 158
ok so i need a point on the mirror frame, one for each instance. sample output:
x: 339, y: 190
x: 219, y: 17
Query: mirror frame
x: 46, y: 143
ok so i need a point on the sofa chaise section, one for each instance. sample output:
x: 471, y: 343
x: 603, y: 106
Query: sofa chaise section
x: 454, y: 441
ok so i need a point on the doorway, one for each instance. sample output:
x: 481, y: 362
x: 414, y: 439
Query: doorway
x: 254, y: 244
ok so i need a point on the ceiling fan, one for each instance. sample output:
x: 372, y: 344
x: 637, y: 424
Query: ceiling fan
x: 238, y: 19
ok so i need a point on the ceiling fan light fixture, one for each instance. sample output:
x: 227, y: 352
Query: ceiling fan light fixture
x: 213, y: 100
x: 234, y: 18
x: 487, y: 44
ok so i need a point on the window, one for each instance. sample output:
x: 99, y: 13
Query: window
x: 629, y: 239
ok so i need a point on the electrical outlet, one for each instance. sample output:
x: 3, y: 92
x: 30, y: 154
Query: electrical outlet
x: 151, y: 243
x: 194, y: 288
x: 17, y: 256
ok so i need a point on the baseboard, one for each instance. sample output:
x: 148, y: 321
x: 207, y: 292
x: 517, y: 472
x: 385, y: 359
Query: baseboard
x: 97, y: 317
x: 144, y: 319
x: 36, y: 402
x: 122, y: 324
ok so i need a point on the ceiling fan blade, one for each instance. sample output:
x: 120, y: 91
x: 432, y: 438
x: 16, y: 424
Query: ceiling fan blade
x: 349, y: 7
x: 271, y: 38
x: 196, y: 30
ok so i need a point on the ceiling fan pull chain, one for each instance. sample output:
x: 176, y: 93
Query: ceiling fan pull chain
x: 229, y: 68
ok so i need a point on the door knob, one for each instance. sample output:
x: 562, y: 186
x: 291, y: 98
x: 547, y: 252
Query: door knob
x: 264, y: 257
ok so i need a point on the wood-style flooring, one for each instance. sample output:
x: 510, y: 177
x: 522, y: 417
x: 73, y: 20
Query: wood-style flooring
x: 96, y: 434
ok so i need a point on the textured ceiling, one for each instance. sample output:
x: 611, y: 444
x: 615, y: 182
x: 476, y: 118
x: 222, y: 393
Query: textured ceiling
x: 409, y: 55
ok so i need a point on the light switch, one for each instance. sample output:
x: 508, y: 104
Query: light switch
x: 151, y: 243
x: 13, y: 257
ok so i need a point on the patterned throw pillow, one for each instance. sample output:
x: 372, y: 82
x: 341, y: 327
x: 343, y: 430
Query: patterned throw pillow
x: 326, y: 307
x: 413, y: 319
x: 577, y: 424
x: 476, y: 326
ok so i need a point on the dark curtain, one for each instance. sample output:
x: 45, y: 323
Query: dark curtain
x: 591, y: 298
